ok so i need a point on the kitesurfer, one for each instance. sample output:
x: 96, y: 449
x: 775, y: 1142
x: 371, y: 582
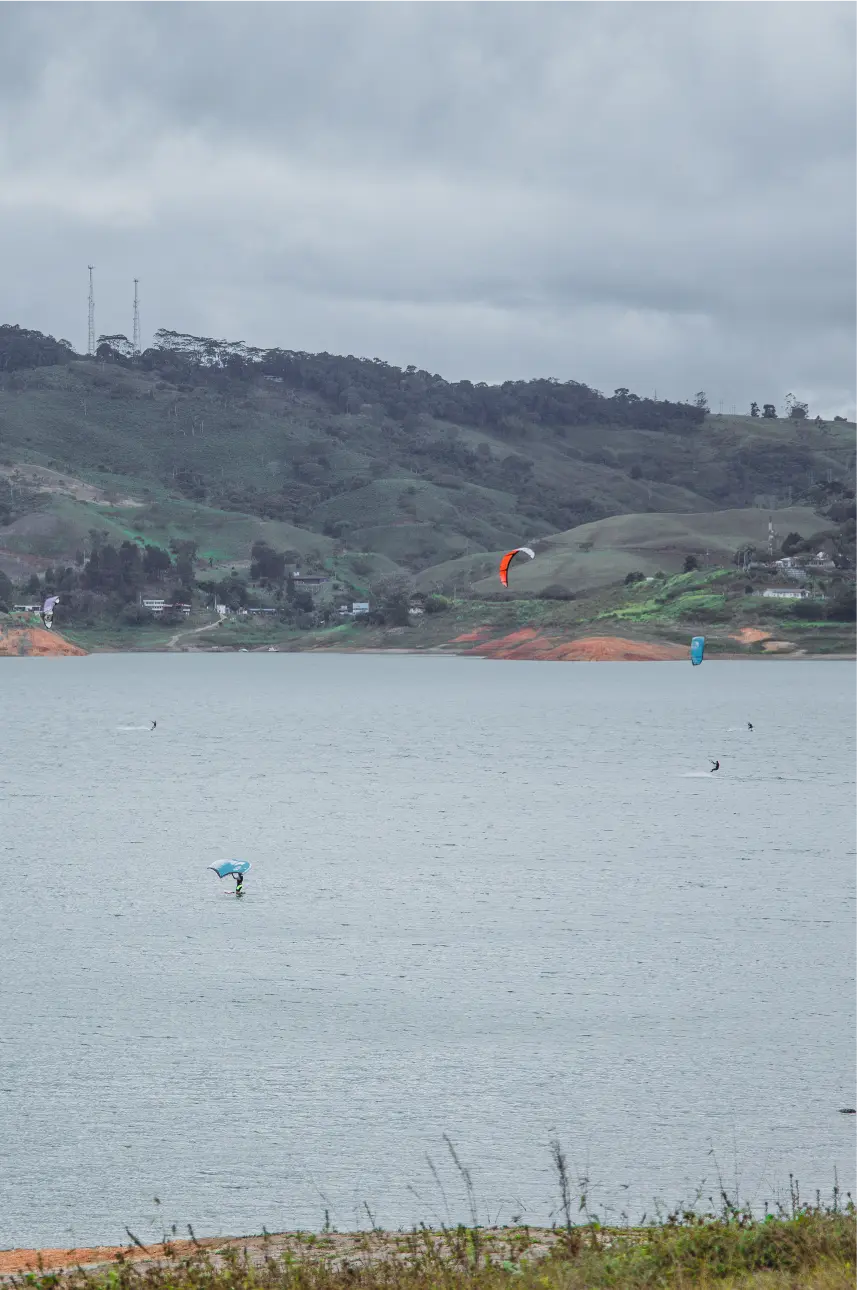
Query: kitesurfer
x: 715, y: 765
x: 749, y: 725
x: 154, y: 723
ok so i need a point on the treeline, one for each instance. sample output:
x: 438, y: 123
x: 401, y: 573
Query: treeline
x: 348, y: 383
x: 109, y: 581
x: 21, y: 348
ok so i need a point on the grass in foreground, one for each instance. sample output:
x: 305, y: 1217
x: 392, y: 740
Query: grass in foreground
x: 813, y: 1249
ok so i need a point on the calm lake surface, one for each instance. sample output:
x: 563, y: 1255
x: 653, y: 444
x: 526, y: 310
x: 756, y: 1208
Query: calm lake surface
x: 503, y: 901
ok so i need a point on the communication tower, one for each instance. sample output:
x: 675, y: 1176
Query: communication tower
x: 90, y: 339
x: 136, y: 333
x: 772, y: 536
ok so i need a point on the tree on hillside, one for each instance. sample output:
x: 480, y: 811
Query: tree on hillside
x: 392, y: 600
x: 769, y: 412
x: 267, y: 565
x: 700, y: 401
x: 843, y: 607
x: 230, y: 591
x: 117, y: 346
x: 7, y: 593
x: 21, y: 348
x: 184, y: 549
x: 690, y: 563
x: 792, y: 543
x: 156, y: 562
x: 131, y: 565
x: 754, y: 409
x: 796, y: 409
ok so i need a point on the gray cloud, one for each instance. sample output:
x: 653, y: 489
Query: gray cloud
x: 643, y: 194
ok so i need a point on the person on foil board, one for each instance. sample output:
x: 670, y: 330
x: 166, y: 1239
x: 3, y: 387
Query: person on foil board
x: 715, y: 765
x: 232, y: 869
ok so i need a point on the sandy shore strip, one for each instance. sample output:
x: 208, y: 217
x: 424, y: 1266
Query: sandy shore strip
x: 332, y: 1247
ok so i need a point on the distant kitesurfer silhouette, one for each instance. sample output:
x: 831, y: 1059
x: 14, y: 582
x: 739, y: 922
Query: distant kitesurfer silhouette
x: 715, y: 765
x: 749, y: 725
x: 154, y: 723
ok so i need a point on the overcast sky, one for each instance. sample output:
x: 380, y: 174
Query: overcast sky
x: 660, y: 196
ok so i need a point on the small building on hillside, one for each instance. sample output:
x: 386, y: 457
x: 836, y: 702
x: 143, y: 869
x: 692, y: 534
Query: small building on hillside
x: 821, y: 562
x: 786, y: 593
x: 311, y: 582
x: 154, y: 606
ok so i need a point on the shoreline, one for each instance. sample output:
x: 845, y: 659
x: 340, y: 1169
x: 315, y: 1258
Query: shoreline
x: 328, y: 1247
x: 527, y: 644
x: 799, y: 656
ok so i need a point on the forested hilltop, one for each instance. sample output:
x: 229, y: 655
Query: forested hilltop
x: 314, y: 427
x: 197, y: 450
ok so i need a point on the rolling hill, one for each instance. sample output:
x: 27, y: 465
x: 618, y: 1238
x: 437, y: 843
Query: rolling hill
x: 598, y: 554
x: 388, y: 469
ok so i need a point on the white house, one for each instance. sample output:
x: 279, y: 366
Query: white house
x: 155, y: 606
x: 786, y: 593
x: 360, y: 607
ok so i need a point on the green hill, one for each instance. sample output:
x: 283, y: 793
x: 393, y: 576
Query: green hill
x: 596, y: 555
x: 320, y: 454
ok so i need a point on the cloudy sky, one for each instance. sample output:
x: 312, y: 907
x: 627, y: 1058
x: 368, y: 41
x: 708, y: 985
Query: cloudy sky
x: 654, y: 195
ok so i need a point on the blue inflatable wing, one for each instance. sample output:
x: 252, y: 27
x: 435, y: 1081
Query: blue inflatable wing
x: 697, y: 650
x: 226, y: 867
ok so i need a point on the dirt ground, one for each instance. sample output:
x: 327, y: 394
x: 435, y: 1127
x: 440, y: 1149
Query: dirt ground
x: 333, y: 1247
x: 530, y: 643
x: 35, y: 642
x: 53, y: 481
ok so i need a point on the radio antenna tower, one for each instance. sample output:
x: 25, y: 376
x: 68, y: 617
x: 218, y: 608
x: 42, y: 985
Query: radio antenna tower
x: 136, y: 335
x: 90, y: 339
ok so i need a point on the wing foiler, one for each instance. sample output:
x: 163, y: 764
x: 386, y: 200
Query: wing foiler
x: 227, y: 867
x: 47, y: 613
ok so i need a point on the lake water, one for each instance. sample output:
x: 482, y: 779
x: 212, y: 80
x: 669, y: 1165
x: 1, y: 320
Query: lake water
x: 501, y: 901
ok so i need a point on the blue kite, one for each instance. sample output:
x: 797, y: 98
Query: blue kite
x: 227, y: 867
x: 697, y: 650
